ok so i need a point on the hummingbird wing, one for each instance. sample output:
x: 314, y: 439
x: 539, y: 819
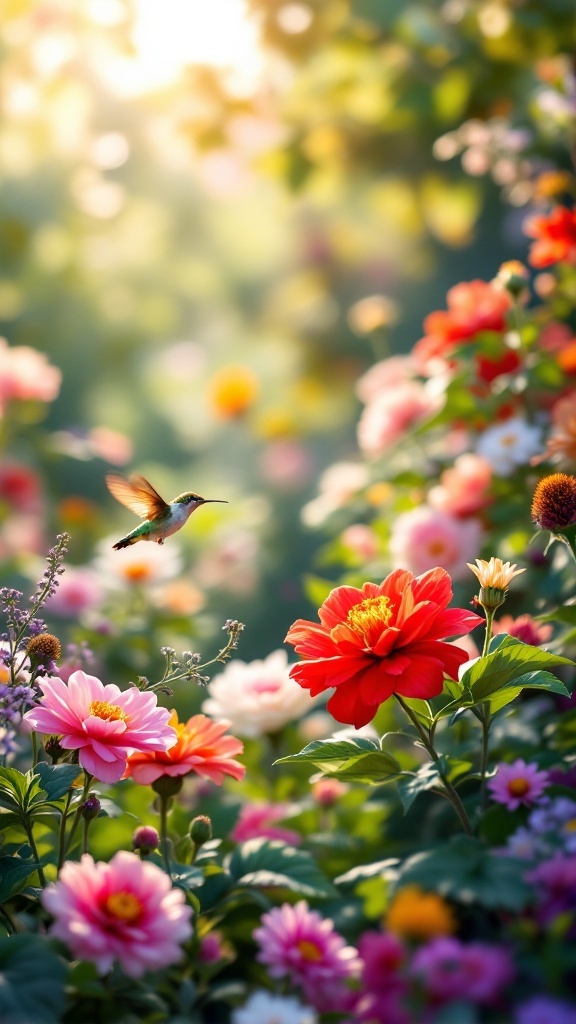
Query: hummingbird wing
x: 138, y: 495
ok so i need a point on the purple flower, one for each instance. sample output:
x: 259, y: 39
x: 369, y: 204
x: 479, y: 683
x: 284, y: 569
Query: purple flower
x: 555, y: 882
x: 450, y: 970
x: 545, y: 1010
x: 517, y: 783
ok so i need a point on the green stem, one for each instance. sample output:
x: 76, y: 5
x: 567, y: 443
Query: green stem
x: 427, y: 744
x: 164, y: 802
x: 34, y: 848
x: 488, y: 635
x: 34, y: 750
x: 62, y: 832
x: 485, y: 715
x: 65, y: 846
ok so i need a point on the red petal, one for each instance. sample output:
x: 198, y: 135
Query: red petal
x: 448, y: 656
x: 424, y: 678
x: 347, y: 706
x: 337, y: 605
x: 453, y: 622
x: 310, y: 639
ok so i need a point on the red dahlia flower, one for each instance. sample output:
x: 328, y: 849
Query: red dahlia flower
x: 555, y: 237
x: 381, y: 640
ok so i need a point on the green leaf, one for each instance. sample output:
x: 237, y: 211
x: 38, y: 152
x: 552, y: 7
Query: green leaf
x: 379, y: 869
x: 14, y: 873
x: 356, y: 759
x: 33, y: 981
x: 465, y: 871
x: 14, y: 785
x: 56, y: 779
x: 512, y: 662
x: 530, y: 681
x: 272, y: 864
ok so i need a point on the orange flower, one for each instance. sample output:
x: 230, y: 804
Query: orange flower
x: 419, y: 915
x: 233, y: 390
x: 201, y: 747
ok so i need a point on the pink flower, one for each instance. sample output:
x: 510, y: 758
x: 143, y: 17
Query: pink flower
x: 517, y: 783
x: 424, y: 538
x: 451, y: 970
x: 20, y: 487
x: 382, y: 955
x: 361, y: 540
x: 524, y: 628
x: 391, y: 414
x: 26, y: 374
x: 296, y: 942
x: 257, y: 821
x: 104, y: 723
x: 125, y: 910
x: 463, y: 489
x: 79, y: 590
x: 326, y: 791
x: 384, y: 376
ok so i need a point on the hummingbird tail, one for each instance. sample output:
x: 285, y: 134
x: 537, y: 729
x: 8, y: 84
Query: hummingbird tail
x: 124, y: 543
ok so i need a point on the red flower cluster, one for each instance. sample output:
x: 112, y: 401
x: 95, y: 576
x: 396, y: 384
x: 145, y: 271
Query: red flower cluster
x: 555, y: 237
x: 381, y: 640
x: 473, y: 306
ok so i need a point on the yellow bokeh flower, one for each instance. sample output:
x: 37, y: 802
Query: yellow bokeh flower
x: 416, y: 914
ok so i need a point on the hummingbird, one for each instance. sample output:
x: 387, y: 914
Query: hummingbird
x: 161, y: 518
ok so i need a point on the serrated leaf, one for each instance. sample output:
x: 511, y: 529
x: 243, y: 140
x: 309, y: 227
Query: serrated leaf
x: 14, y: 784
x: 33, y: 981
x: 356, y: 759
x: 531, y: 681
x: 272, y: 864
x: 411, y: 784
x: 56, y: 779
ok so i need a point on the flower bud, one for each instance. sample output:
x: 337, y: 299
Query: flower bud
x: 54, y: 749
x: 43, y: 649
x: 145, y: 840
x: 200, y: 830
x: 167, y: 786
x: 90, y: 809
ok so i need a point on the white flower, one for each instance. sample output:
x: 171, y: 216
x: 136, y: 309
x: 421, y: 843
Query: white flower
x: 264, y: 1008
x: 509, y: 444
x: 257, y: 697
x: 142, y: 564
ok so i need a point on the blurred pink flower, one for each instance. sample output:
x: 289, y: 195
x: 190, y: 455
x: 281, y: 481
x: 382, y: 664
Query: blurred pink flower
x: 258, y: 697
x: 123, y: 911
x: 337, y: 485
x: 326, y: 791
x: 391, y: 414
x: 524, y: 628
x: 26, y: 374
x: 297, y: 942
x: 382, y: 955
x: 110, y: 445
x: 256, y: 821
x: 384, y: 377
x: 104, y: 723
x: 451, y: 970
x: 464, y: 488
x: 286, y: 464
x: 517, y: 783
x: 78, y: 591
x: 212, y: 948
x: 424, y: 538
x: 362, y: 540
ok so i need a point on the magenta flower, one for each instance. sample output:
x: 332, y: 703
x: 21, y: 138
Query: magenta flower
x: 382, y: 956
x: 104, y: 723
x: 125, y: 910
x: 517, y: 783
x: 297, y: 942
x: 450, y: 970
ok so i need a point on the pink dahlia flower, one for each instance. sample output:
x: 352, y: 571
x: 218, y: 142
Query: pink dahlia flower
x: 297, y: 942
x: 125, y: 910
x: 424, y: 537
x: 104, y: 723
x: 517, y: 783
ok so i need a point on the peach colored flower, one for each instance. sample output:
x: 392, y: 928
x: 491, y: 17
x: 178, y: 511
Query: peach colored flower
x: 425, y: 537
x: 555, y: 236
x: 561, y: 443
x: 104, y: 723
x: 464, y: 488
x: 200, y: 747
x: 384, y: 377
x: 123, y: 911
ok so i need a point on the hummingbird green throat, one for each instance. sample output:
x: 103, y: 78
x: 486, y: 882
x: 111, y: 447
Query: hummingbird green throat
x: 161, y: 518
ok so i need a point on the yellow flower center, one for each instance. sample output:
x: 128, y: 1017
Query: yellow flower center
x: 124, y: 906
x: 373, y: 611
x: 4, y: 673
x: 518, y: 787
x: 137, y: 572
x: 109, y: 712
x: 570, y: 826
x: 310, y: 951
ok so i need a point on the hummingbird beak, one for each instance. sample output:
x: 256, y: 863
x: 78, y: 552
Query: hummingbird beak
x: 206, y: 500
